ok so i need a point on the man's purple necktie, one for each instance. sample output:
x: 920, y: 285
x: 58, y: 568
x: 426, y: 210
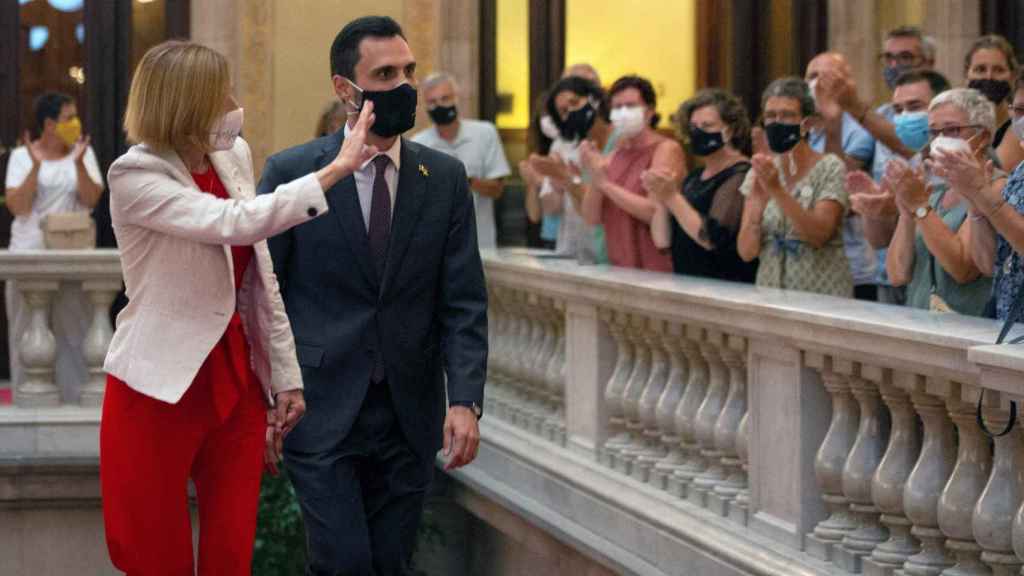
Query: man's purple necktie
x: 380, y: 215
x: 380, y: 231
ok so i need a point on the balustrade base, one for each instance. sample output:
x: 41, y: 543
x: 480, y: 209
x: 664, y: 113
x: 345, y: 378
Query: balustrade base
x: 697, y: 496
x: 851, y: 561
x: 677, y: 486
x: 820, y: 548
x: 718, y: 503
x: 739, y: 513
x: 874, y: 568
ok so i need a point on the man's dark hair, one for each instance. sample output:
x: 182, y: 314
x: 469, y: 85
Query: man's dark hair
x: 643, y: 85
x: 937, y: 82
x: 47, y: 107
x: 580, y: 87
x: 345, y: 48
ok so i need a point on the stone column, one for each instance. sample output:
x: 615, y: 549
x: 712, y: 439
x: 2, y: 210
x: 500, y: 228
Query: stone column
x: 924, y: 487
x: 997, y: 506
x: 707, y: 418
x: 971, y: 472
x: 671, y: 435
x: 739, y: 509
x: 617, y: 322
x: 97, y: 339
x: 631, y: 395
x: 858, y: 474
x: 686, y: 413
x: 887, y: 486
x: 955, y: 25
x: 650, y: 450
x: 554, y: 375
x: 37, y: 347
x: 832, y: 456
x: 734, y: 354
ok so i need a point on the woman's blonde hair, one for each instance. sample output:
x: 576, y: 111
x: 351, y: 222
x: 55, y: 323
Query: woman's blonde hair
x: 177, y: 95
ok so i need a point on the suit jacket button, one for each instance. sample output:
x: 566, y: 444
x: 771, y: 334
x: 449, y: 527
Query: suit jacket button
x: 311, y: 212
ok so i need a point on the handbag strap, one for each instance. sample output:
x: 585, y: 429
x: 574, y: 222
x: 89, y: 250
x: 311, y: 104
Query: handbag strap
x: 1011, y: 319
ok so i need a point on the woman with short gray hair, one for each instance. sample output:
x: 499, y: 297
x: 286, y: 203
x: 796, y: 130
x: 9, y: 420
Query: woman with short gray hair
x: 930, y: 250
x: 796, y: 200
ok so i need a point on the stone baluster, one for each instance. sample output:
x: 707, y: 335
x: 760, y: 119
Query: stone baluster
x: 929, y: 477
x: 545, y: 351
x: 618, y: 327
x: 858, y: 474
x: 495, y: 338
x: 518, y: 397
x: 665, y: 413
x: 739, y: 509
x: 508, y: 326
x: 631, y: 395
x: 97, y: 340
x: 832, y: 455
x: 734, y: 355
x: 997, y: 506
x: 890, y: 479
x: 959, y: 497
x: 661, y: 368
x: 37, y: 347
x: 533, y: 413
x: 707, y: 418
x: 686, y: 413
x: 554, y: 375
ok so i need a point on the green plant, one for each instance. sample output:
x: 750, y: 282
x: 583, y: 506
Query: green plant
x: 280, y: 548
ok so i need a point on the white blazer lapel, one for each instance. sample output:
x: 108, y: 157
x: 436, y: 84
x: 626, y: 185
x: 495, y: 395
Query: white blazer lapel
x: 227, y: 168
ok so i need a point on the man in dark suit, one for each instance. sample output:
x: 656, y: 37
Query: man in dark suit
x: 386, y: 298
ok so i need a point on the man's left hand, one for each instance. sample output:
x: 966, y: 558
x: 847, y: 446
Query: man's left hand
x: 461, y: 437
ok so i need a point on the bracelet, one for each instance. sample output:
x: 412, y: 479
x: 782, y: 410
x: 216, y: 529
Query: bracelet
x: 993, y: 211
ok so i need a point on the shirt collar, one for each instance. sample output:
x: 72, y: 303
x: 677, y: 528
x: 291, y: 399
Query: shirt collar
x: 394, y: 153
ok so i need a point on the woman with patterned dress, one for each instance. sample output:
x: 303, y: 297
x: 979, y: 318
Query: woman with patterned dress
x: 795, y: 201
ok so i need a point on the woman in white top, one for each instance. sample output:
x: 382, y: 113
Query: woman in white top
x: 56, y: 172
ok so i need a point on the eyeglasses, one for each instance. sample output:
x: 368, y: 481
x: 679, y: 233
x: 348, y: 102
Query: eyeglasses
x: 952, y: 131
x: 781, y: 116
x: 900, y: 58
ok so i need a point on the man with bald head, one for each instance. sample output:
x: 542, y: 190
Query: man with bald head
x: 840, y: 134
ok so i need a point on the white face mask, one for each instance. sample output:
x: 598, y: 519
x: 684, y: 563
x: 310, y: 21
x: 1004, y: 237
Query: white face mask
x: 945, y: 145
x: 629, y: 120
x: 813, y: 87
x: 226, y: 130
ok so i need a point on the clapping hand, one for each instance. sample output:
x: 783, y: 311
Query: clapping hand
x: 661, y: 184
x: 594, y: 162
x: 767, y: 175
x: 354, y: 151
x: 78, y: 152
x: 908, y: 185
x: 966, y: 172
x: 551, y: 166
x: 869, y: 199
x: 34, y: 149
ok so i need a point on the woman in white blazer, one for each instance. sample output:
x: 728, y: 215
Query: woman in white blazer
x: 202, y: 357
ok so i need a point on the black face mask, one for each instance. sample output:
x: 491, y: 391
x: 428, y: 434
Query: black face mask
x: 443, y: 115
x: 578, y: 123
x: 394, y: 110
x: 705, y: 143
x: 782, y: 137
x: 997, y: 91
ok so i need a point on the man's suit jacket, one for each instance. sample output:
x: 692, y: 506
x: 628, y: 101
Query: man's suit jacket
x: 178, y: 271
x: 427, y: 316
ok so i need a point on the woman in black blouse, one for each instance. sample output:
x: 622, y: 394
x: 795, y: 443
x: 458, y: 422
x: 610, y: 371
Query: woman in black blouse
x: 701, y: 224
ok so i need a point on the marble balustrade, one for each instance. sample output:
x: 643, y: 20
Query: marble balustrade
x: 843, y: 431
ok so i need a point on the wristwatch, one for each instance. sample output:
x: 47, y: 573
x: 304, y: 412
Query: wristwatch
x: 922, y: 211
x: 472, y: 406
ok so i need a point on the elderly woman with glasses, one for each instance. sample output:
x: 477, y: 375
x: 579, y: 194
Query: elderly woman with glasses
x: 795, y: 201
x: 930, y: 250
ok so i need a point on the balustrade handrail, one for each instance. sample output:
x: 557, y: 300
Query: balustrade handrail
x: 937, y: 344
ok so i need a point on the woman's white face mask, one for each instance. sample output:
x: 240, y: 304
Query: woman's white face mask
x: 629, y: 121
x: 226, y: 130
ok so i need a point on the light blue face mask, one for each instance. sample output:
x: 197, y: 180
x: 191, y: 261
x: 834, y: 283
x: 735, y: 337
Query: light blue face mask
x: 912, y: 129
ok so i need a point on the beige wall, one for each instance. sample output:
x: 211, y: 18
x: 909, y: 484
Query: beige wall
x: 280, y: 55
